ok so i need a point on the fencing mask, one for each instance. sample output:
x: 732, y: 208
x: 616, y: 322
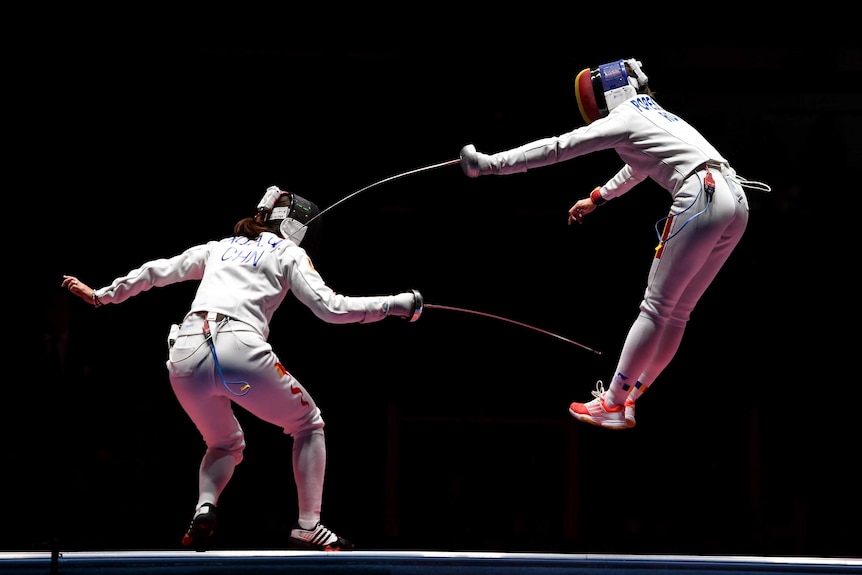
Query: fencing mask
x: 290, y: 212
x: 602, y: 89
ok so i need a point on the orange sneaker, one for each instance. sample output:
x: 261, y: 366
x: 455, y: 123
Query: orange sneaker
x: 597, y: 412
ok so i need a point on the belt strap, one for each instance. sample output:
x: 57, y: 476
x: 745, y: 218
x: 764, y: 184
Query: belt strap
x: 213, y: 316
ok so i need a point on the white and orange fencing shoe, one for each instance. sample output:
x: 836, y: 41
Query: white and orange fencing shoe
x: 597, y: 412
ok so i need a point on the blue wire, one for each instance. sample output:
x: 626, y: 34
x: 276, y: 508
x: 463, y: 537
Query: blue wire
x: 246, y: 387
x: 708, y: 201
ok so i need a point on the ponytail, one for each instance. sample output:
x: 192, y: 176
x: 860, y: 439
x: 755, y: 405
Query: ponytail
x: 250, y: 227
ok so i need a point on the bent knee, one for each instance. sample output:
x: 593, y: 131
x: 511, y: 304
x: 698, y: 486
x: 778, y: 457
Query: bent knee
x: 312, y: 424
x: 234, y: 448
x: 663, y: 315
x: 308, y: 432
x: 654, y: 313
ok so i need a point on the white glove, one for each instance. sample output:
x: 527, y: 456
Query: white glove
x: 408, y: 305
x: 475, y: 163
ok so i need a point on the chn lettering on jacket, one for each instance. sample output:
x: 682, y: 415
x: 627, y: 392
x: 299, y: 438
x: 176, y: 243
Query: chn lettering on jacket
x: 244, y: 250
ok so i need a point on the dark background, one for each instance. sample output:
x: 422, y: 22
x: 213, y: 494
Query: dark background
x: 139, y: 140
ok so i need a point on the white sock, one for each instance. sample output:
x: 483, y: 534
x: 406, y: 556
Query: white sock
x: 638, y: 390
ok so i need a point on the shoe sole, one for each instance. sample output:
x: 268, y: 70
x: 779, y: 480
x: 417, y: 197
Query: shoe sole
x: 302, y: 544
x: 615, y: 425
x: 200, y: 532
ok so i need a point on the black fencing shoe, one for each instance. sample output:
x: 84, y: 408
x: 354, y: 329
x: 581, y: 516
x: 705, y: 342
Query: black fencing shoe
x: 318, y: 537
x: 201, y: 527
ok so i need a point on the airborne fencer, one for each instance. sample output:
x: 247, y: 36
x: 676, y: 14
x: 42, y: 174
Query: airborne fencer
x: 708, y: 215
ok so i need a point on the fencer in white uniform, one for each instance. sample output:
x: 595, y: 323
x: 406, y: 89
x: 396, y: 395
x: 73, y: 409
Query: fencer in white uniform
x: 708, y: 215
x: 219, y: 355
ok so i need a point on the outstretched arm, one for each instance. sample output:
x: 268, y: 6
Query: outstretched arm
x: 80, y: 289
x: 308, y: 286
x: 188, y: 265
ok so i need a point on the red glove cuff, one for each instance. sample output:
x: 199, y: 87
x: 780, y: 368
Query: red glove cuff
x: 596, y: 197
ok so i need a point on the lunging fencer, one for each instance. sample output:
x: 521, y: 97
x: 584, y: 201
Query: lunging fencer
x: 707, y: 217
x: 219, y: 354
